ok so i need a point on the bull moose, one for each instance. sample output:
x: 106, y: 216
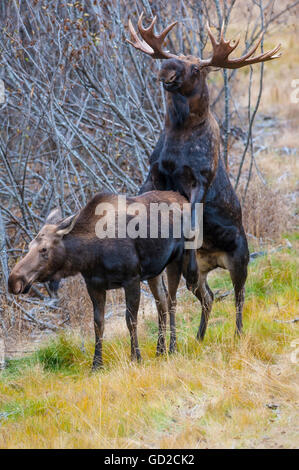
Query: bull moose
x: 187, y: 159
x: 72, y: 245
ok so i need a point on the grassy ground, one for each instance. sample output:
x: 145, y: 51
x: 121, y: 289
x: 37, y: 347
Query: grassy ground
x: 223, y: 393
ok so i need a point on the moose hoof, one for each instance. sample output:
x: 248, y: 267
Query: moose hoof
x: 200, y: 337
x: 238, y: 333
x: 97, y: 365
x: 136, y: 358
x: 160, y: 352
x: 161, y: 349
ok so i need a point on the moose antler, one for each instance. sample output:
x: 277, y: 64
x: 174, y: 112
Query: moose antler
x: 223, y: 48
x: 151, y: 43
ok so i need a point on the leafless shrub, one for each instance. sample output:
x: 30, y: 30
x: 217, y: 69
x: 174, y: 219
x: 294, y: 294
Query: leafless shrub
x: 265, y: 212
x: 83, y: 111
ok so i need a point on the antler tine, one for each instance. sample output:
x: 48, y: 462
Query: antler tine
x: 215, y: 44
x: 252, y: 49
x: 262, y: 55
x: 211, y: 36
x: 223, y: 48
x: 246, y: 59
x: 236, y: 43
x: 143, y: 30
x: 147, y: 33
x: 167, y: 29
x: 151, y: 43
x: 265, y: 56
x: 137, y: 43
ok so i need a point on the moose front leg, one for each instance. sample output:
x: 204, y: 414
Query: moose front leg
x: 132, y: 294
x: 196, y: 191
x: 173, y: 276
x: 205, y: 296
x: 98, y: 298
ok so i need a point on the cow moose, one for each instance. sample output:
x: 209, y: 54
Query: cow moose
x: 187, y: 159
x: 72, y: 245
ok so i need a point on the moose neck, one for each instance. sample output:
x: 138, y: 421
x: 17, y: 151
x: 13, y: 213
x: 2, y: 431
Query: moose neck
x: 80, y: 254
x: 190, y: 109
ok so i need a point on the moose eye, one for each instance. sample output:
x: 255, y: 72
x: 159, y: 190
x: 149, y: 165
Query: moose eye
x: 43, y: 250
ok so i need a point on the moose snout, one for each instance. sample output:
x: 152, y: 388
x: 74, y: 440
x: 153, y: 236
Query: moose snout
x: 168, y: 80
x: 18, y: 284
x: 15, y: 284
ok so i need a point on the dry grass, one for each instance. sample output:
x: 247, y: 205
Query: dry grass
x: 265, y: 212
x: 218, y: 394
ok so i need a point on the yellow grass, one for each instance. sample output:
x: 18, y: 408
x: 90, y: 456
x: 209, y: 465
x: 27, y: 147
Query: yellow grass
x: 218, y: 394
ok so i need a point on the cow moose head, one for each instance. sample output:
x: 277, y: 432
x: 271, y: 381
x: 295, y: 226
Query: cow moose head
x: 45, y: 257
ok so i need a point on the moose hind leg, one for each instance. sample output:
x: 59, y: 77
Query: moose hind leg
x: 157, y: 288
x: 240, y: 297
x: 132, y: 294
x: 206, y: 297
x: 238, y: 275
x: 237, y: 265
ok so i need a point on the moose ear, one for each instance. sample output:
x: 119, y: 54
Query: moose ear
x: 54, y: 217
x: 66, y: 225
